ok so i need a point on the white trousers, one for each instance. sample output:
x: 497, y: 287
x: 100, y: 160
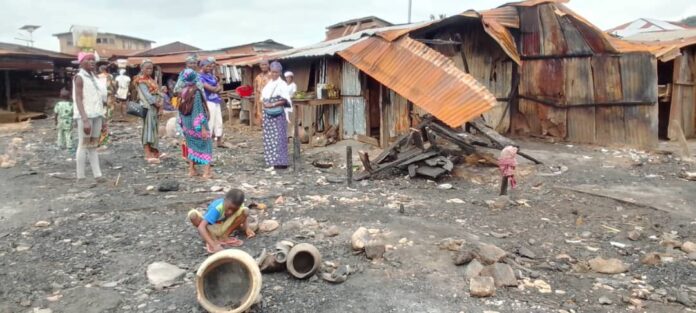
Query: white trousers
x: 215, y: 118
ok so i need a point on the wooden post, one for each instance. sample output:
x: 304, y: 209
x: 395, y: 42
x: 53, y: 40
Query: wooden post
x: 7, y: 90
x: 349, y: 165
x: 296, y: 140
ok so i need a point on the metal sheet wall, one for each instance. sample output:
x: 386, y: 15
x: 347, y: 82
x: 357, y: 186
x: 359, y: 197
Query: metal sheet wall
x: 354, y: 118
x: 683, y: 107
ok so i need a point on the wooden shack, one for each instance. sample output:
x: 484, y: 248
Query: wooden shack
x: 553, y: 73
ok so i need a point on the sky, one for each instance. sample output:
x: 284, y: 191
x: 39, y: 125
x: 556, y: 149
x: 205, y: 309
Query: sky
x: 211, y: 24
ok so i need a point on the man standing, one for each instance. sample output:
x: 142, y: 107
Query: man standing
x: 89, y: 112
x: 122, y: 84
x: 259, y: 82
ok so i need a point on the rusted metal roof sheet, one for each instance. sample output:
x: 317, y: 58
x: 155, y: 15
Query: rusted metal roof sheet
x: 10, y: 49
x: 425, y: 77
x: 531, y: 3
x: 503, y: 36
x: 181, y: 58
x: 506, y: 16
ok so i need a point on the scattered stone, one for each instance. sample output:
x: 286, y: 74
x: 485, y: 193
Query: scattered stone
x: 688, y: 247
x: 280, y: 200
x: 473, y: 269
x: 268, y: 226
x: 481, y: 287
x: 375, y: 249
x: 456, y: 201
x: 168, y: 185
x: 634, y: 235
x: 42, y: 224
x: 359, y: 238
x: 217, y: 188
x: 54, y: 298
x: 292, y: 225
x: 498, y: 203
x: 670, y: 243
x: 489, y: 254
x: 526, y: 252
x: 605, y: 301
x: 332, y: 231
x: 38, y: 310
x: 651, y: 259
x: 22, y: 247
x: 110, y: 284
x: 25, y: 302
x: 163, y: 274
x: 278, y: 288
x: 150, y: 188
x: 692, y: 256
x: 542, y: 286
x: 610, y: 266
x: 445, y: 186
x: 464, y: 257
x: 451, y: 244
x: 683, y: 298
x: 502, y: 274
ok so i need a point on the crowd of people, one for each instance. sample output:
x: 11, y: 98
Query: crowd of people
x: 96, y: 95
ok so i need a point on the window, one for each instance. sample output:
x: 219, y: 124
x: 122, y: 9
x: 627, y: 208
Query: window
x: 100, y: 40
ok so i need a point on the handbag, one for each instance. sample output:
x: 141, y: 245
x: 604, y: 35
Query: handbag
x: 136, y: 108
x: 274, y: 111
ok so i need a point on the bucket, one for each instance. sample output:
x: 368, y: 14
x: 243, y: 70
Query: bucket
x: 303, y: 260
x: 228, y: 282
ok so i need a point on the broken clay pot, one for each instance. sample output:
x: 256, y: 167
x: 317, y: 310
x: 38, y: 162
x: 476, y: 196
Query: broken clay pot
x: 228, y: 281
x: 303, y: 260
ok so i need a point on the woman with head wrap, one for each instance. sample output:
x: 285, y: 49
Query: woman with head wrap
x: 149, y: 95
x: 276, y: 100
x: 193, y: 118
x: 212, y: 89
x: 191, y: 63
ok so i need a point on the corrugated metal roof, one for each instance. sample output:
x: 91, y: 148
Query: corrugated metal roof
x: 424, y: 76
x: 181, y: 58
x: 506, y: 16
x: 8, y: 49
x: 665, y: 36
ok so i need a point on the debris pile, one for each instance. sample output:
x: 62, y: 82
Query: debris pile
x: 433, y: 148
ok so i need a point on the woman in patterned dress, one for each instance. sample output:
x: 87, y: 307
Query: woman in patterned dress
x: 276, y: 100
x: 150, y: 98
x: 193, y: 118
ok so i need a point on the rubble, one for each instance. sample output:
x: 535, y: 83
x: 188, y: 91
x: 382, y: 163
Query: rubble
x: 651, y: 259
x: 332, y: 231
x: 502, y: 274
x: 268, y: 226
x: 162, y: 274
x: 688, y: 247
x: 634, y: 235
x: 374, y: 249
x: 359, y: 238
x: 605, y: 301
x: 451, y: 244
x: 42, y: 224
x: 481, y: 287
x: 168, y: 185
x: 489, y: 254
x: 464, y: 257
x: 473, y: 269
x: 608, y: 266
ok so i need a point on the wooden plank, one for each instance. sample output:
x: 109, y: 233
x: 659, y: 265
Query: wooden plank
x: 553, y: 41
x: 639, y: 83
x: 367, y: 140
x: 579, y: 88
x: 400, y: 115
x: 606, y: 76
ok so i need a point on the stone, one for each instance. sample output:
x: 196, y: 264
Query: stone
x: 688, y: 247
x: 163, y: 274
x: 268, y: 226
x: 280, y: 200
x: 489, y: 254
x: 542, y: 286
x: 216, y: 188
x: 374, y: 249
x: 25, y: 302
x: 292, y: 225
x: 110, y: 284
x: 451, y: 244
x: 526, y: 252
x: 150, y: 188
x: 473, y: 269
x: 651, y: 259
x: 464, y: 257
x: 692, y: 256
x: 332, y: 231
x: 42, y: 224
x: 168, y: 185
x: 38, y: 310
x: 502, y: 274
x: 683, y: 298
x: 22, y: 247
x: 359, y: 238
x: 605, y: 301
x: 481, y: 287
x: 634, y: 235
x: 445, y: 186
x: 610, y: 266
x: 670, y: 243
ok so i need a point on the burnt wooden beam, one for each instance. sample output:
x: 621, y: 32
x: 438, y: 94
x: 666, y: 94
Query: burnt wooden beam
x: 497, y: 139
x: 365, y: 160
x: 382, y: 167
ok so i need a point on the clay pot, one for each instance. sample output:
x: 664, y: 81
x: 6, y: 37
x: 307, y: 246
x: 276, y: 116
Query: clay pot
x: 228, y: 282
x: 303, y: 260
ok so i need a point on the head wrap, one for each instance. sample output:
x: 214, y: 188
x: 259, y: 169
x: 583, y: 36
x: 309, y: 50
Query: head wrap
x: 288, y: 73
x: 212, y: 59
x: 275, y: 66
x: 205, y: 62
x: 192, y: 58
x: 82, y: 55
x: 189, y: 77
x: 146, y: 61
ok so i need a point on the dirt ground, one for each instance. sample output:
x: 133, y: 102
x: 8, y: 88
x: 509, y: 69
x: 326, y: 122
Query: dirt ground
x: 94, y: 254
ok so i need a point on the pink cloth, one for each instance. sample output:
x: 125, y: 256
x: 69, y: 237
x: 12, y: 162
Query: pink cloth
x: 82, y: 55
x: 507, y: 164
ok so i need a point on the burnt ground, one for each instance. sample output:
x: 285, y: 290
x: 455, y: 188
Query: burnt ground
x: 93, y: 255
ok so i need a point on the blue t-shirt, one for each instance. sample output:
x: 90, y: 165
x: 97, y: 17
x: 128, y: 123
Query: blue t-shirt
x: 216, y: 211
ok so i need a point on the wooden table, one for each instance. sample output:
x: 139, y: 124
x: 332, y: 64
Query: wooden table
x: 296, y: 103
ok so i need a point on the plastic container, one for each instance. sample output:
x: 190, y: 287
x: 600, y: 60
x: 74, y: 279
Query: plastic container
x: 245, y: 90
x: 84, y: 37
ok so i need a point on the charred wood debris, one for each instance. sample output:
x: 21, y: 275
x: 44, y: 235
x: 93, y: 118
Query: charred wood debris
x: 432, y: 149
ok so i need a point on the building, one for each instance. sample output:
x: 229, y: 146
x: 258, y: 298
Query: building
x: 170, y: 48
x: 107, y: 44
x: 253, y: 48
x: 645, y: 25
x: 353, y: 26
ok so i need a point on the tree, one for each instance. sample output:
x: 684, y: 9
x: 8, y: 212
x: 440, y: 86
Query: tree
x: 691, y: 21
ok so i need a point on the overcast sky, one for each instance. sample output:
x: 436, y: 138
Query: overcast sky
x: 210, y: 24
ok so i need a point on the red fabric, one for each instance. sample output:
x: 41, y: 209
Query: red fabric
x: 507, y: 164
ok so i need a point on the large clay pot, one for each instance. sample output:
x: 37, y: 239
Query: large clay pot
x: 228, y: 282
x: 303, y: 260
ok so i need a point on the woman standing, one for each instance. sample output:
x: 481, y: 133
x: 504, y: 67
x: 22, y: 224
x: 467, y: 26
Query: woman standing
x: 276, y: 99
x: 151, y: 99
x: 193, y: 118
x: 212, y: 94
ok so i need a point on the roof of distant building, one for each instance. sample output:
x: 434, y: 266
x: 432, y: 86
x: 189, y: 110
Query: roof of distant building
x: 359, y: 20
x: 112, y: 34
x: 170, y: 48
x: 645, y: 25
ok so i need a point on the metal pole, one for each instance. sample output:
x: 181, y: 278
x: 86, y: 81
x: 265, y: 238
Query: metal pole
x: 349, y: 165
x: 296, y: 139
x: 410, y: 2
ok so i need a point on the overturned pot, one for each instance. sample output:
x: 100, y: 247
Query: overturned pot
x: 303, y: 260
x: 228, y: 282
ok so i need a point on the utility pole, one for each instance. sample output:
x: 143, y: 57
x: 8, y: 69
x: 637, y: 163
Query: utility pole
x: 410, y: 3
